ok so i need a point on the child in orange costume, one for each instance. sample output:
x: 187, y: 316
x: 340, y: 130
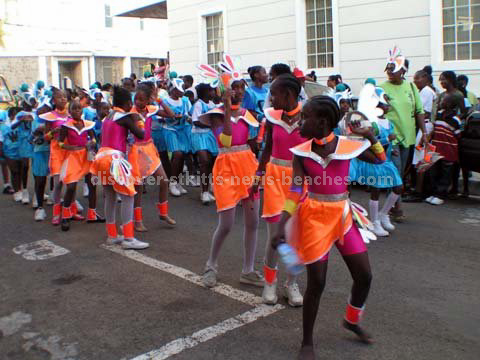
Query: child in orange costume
x: 76, y: 136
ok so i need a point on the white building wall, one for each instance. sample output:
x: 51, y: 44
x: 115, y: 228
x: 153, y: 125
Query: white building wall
x: 265, y: 32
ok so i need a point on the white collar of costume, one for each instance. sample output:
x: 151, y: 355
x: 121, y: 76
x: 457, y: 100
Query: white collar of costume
x: 87, y: 125
x: 396, y: 58
x: 346, y: 149
x: 247, y: 117
x: 120, y: 115
x: 275, y: 117
x: 52, y: 116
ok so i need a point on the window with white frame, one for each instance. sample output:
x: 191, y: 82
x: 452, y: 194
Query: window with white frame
x: 214, y: 38
x: 461, y: 30
x: 319, y: 34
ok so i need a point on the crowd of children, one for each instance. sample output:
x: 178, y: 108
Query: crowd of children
x: 226, y: 129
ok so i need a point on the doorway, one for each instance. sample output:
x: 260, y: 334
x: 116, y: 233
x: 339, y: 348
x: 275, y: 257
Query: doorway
x: 70, y: 73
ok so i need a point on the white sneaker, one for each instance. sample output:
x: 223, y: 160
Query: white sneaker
x: 292, y: 293
x: 85, y: 190
x: 210, y: 195
x: 25, y: 197
x: 17, y: 197
x: 134, y: 244
x: 205, y: 198
x: 378, y: 229
x: 429, y: 199
x: 386, y: 223
x: 181, y: 189
x: 173, y: 189
x: 79, y: 206
x: 209, y: 278
x: 436, y: 201
x: 34, y: 201
x: 192, y: 181
x: 40, y: 214
x: 115, y: 241
x: 269, y: 294
x: 46, y: 197
x: 50, y: 199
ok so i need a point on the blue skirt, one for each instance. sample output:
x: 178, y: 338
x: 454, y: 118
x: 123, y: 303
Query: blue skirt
x: 381, y: 176
x: 159, y: 140
x: 176, y: 139
x: 40, y: 163
x: 204, y: 141
x: 26, y: 148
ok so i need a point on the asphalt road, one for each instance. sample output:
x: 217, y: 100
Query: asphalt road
x: 93, y: 303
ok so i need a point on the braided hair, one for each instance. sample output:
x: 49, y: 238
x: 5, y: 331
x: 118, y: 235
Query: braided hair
x: 324, y: 107
x: 121, y: 96
x: 289, y: 83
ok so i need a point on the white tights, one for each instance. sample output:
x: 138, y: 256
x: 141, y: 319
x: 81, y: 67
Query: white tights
x: 226, y: 220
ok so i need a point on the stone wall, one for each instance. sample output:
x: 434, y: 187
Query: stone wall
x: 18, y: 70
x: 109, y: 69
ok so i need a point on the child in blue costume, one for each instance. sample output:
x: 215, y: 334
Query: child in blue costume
x: 176, y: 133
x: 9, y: 149
x: 41, y: 154
x: 204, y: 144
x: 23, y: 125
x: 254, y: 100
x: 381, y: 176
x: 7, y: 187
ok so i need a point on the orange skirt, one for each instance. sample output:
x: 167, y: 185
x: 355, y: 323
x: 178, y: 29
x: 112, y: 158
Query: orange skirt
x: 278, y: 180
x: 316, y: 226
x: 100, y: 168
x: 75, y: 166
x: 233, y: 175
x: 144, y: 159
x: 57, y: 157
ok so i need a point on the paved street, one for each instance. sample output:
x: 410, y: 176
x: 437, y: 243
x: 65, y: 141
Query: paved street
x: 85, y: 301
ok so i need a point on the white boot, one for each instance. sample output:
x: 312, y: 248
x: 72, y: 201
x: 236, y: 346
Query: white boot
x: 386, y: 223
x: 379, y: 230
x: 269, y: 294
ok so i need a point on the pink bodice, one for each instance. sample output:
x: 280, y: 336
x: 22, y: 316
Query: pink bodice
x: 76, y: 139
x: 239, y: 134
x: 283, y: 141
x: 114, y: 135
x: 148, y: 131
x: 330, y: 180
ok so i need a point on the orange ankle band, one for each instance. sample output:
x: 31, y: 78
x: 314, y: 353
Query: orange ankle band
x: 74, y: 208
x: 57, y: 209
x: 66, y: 213
x: 137, y: 214
x: 353, y: 314
x: 112, y: 231
x: 270, y: 274
x: 162, y: 208
x: 91, y: 214
x: 128, y: 230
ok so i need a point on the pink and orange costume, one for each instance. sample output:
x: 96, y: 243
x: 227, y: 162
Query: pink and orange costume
x: 145, y: 160
x: 57, y: 155
x: 235, y: 163
x: 279, y: 169
x: 325, y: 217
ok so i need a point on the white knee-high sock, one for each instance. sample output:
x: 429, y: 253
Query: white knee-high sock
x: 389, y: 203
x: 373, y: 205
